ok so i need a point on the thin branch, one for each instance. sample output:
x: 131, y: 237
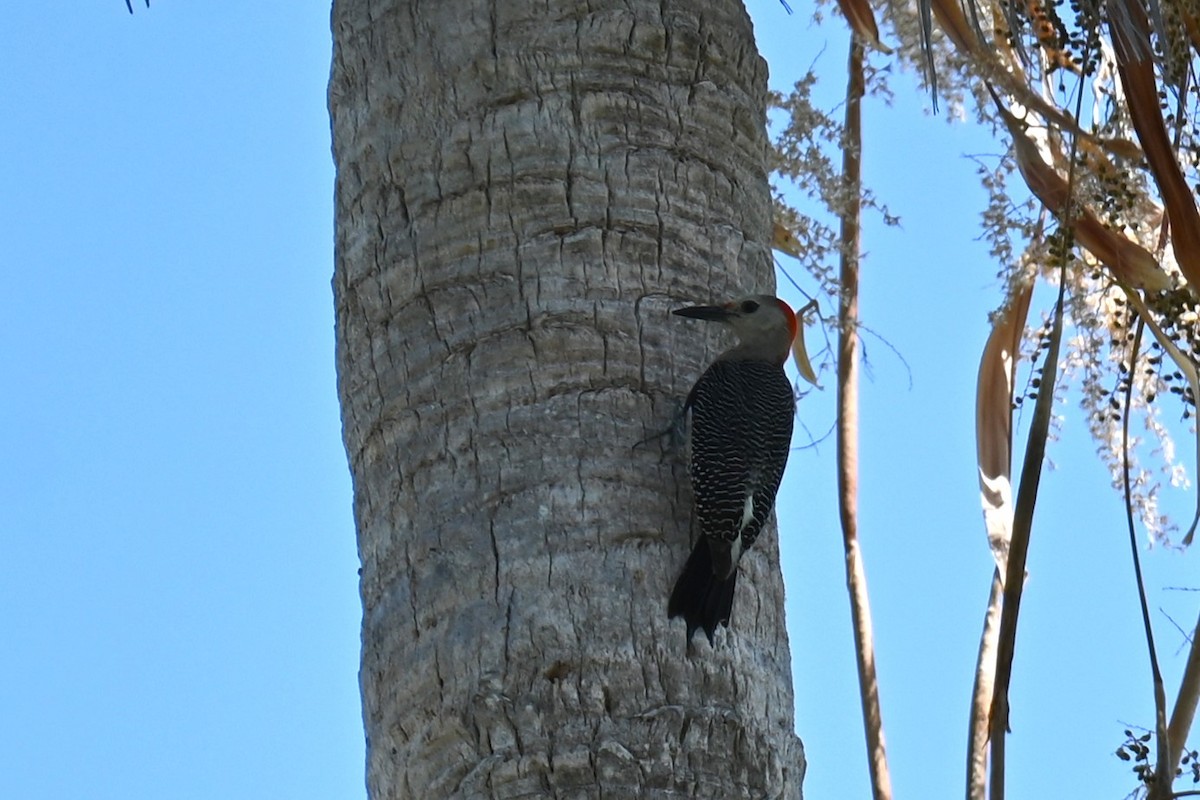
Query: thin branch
x: 1162, y: 777
x: 1031, y: 468
x: 981, y: 694
x: 847, y: 429
x: 1018, y: 550
x: 1184, y: 712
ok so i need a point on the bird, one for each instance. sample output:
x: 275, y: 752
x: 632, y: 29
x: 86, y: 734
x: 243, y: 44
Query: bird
x: 742, y: 409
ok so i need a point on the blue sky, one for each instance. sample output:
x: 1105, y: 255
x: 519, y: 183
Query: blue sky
x: 178, y: 597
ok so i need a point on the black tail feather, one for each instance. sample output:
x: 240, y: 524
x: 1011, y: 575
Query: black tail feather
x: 701, y: 598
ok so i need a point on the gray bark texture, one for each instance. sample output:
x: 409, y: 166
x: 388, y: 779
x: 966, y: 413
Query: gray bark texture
x: 523, y: 191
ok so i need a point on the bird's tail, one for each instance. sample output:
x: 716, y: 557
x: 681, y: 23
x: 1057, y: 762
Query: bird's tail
x: 700, y: 597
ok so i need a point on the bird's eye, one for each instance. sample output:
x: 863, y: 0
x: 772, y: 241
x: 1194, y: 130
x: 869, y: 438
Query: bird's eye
x: 749, y: 306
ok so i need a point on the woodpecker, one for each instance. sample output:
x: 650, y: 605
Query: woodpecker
x: 742, y: 409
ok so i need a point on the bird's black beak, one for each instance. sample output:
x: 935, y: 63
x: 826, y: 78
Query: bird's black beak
x: 711, y: 313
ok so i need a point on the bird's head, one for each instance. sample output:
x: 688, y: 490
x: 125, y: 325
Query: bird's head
x: 765, y: 325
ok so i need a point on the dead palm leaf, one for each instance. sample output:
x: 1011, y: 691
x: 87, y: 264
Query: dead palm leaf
x: 861, y: 18
x: 1130, y: 32
x: 1129, y: 261
x: 993, y: 445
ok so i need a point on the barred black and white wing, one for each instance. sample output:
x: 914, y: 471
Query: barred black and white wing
x: 742, y: 414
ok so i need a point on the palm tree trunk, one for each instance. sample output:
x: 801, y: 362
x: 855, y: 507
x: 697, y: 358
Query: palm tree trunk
x: 523, y: 191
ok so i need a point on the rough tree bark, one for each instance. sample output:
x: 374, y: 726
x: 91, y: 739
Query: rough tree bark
x: 523, y: 190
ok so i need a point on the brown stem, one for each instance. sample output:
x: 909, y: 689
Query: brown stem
x: 847, y: 428
x: 1018, y: 548
x: 981, y: 695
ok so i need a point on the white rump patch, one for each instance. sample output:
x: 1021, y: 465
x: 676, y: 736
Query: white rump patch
x: 747, y: 512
